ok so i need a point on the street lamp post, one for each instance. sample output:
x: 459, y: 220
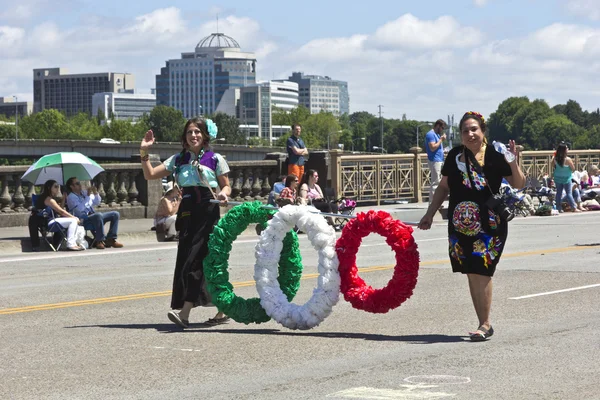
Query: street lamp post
x: 418, y: 126
x: 200, y: 110
x: 329, y: 135
x: 377, y: 148
x: 355, y: 139
x: 246, y: 124
x: 16, y: 118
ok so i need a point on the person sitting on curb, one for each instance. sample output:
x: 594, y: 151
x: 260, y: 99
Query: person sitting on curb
x: 166, y: 214
x: 81, y: 203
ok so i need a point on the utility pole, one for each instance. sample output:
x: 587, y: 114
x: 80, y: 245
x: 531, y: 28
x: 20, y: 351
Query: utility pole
x: 381, y: 126
x: 450, y: 130
x: 16, y: 118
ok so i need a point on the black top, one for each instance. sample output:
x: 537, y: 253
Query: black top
x: 475, y: 189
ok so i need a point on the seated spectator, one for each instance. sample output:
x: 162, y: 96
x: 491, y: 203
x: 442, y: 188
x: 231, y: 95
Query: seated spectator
x: 288, y: 194
x: 66, y: 220
x: 166, y: 214
x: 584, y: 179
x: 594, y: 179
x: 277, y: 188
x: 311, y: 193
x: 81, y: 203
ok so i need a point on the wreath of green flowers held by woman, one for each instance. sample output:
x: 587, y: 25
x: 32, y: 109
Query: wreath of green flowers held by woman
x: 216, y: 264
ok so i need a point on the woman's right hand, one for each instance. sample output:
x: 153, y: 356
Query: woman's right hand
x: 148, y: 140
x: 426, y: 222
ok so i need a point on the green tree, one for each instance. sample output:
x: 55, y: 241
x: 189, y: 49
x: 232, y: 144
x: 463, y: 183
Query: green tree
x: 297, y: 115
x: 229, y: 128
x: 47, y: 124
x: 555, y: 129
x: 84, y: 127
x: 526, y: 129
x: 501, y: 122
x: 166, y: 122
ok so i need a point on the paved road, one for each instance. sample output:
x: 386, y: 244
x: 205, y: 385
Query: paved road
x: 93, y: 325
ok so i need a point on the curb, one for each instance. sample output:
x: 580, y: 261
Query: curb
x: 22, y: 245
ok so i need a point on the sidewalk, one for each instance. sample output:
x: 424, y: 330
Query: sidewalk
x: 137, y: 231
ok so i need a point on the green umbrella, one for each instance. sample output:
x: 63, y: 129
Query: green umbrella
x: 60, y: 167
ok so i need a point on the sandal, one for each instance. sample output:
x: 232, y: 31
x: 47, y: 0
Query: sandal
x: 217, y: 321
x: 177, y: 320
x: 481, y: 334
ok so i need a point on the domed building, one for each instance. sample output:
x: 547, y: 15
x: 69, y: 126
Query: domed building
x: 196, y: 82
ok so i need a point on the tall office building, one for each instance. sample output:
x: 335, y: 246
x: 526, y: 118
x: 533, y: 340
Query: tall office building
x: 53, y: 88
x: 123, y: 106
x: 9, y: 107
x: 197, y: 81
x: 254, y: 106
x: 321, y: 93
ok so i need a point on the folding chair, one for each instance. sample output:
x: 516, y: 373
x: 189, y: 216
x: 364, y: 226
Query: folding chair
x: 345, y: 206
x: 55, y: 235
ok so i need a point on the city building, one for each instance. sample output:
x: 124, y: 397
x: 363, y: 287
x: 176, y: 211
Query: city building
x: 11, y: 105
x: 122, y: 106
x: 321, y: 93
x: 196, y: 83
x: 53, y: 88
x: 254, y: 105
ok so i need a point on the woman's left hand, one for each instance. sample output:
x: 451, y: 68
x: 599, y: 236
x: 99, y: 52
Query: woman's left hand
x: 223, y: 199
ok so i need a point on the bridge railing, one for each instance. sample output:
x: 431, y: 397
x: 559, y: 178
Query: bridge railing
x: 123, y: 188
x: 377, y: 178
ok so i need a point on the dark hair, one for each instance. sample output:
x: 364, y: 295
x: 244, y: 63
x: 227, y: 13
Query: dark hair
x: 201, y: 124
x: 308, y: 174
x: 46, y: 192
x: 290, y: 179
x: 295, y: 125
x: 476, y: 117
x: 440, y: 122
x: 561, y: 154
x: 70, y: 183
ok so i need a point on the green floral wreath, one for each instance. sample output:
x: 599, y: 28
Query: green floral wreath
x: 216, y: 264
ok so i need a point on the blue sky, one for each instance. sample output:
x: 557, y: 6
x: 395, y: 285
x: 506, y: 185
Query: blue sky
x: 425, y: 59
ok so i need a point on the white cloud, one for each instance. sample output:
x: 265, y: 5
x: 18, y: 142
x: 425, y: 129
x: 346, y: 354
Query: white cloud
x: 10, y: 37
x: 563, y: 41
x: 165, y: 20
x: 423, y: 68
x: 480, y: 3
x: 584, y: 8
x: 409, y: 32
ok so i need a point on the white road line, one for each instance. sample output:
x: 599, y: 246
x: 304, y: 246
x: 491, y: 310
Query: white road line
x: 554, y: 292
x: 97, y: 253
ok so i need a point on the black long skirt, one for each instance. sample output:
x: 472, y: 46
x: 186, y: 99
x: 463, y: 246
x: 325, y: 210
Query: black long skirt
x: 196, y: 219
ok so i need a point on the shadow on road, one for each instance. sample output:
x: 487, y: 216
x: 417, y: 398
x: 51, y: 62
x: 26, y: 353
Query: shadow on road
x: 202, y: 328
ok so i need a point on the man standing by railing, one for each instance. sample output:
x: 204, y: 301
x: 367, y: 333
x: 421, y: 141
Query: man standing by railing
x: 435, y: 154
x: 296, y: 151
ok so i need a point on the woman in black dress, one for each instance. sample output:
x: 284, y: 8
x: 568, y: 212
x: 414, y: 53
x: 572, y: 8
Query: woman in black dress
x: 202, y: 176
x: 471, y: 173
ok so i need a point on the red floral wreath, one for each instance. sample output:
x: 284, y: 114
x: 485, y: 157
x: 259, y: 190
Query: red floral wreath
x: 399, y: 238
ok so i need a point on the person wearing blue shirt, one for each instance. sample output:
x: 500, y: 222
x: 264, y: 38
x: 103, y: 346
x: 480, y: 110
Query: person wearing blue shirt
x: 435, y: 154
x: 296, y: 150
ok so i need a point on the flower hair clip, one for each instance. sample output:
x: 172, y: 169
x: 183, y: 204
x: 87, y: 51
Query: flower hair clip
x: 212, y: 128
x: 475, y: 113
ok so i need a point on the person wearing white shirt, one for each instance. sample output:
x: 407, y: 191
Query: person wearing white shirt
x: 81, y: 204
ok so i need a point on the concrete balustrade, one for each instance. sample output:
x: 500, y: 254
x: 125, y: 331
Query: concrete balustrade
x: 368, y: 179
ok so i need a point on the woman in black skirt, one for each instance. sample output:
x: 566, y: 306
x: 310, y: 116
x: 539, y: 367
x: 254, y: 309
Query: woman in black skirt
x: 477, y: 229
x: 202, y: 176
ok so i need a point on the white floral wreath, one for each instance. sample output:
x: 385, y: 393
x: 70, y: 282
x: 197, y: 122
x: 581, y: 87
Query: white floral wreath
x: 268, y: 250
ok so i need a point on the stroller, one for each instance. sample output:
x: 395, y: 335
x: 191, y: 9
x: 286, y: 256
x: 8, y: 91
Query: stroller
x: 345, y: 207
